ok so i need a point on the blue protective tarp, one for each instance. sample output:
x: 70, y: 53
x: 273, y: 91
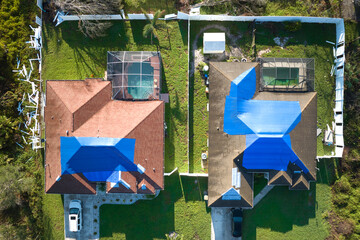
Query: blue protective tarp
x: 231, y: 194
x: 260, y: 117
x: 96, y: 158
x: 270, y: 153
x: 244, y: 86
x: 266, y: 124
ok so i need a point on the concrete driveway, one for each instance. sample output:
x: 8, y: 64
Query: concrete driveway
x: 221, y: 224
x: 87, y: 231
x: 90, y: 210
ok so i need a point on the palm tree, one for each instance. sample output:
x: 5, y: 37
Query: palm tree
x: 153, y: 26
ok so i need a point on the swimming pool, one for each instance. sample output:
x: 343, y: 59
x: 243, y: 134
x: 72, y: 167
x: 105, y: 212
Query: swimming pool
x: 280, y: 76
x: 141, y: 80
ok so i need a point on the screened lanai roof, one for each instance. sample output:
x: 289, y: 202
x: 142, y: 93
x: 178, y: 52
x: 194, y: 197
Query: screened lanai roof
x: 134, y: 75
x: 287, y: 74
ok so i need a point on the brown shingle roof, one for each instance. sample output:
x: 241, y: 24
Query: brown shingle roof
x: 300, y: 183
x: 88, y: 106
x: 226, y: 149
x: 279, y: 178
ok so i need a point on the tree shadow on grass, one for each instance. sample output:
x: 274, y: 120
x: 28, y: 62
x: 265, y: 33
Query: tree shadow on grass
x: 191, y: 122
x: 308, y: 33
x: 137, y: 27
x: 169, y: 138
x: 183, y: 26
x: 96, y: 49
x: 280, y: 210
x: 145, y: 219
x: 194, y: 189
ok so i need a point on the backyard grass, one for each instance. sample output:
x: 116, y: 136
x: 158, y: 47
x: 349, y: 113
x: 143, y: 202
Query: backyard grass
x: 150, y: 6
x: 69, y: 55
x: 199, y: 125
x: 180, y: 208
x: 198, y: 99
x: 285, y: 214
x: 304, y: 42
x: 53, y: 216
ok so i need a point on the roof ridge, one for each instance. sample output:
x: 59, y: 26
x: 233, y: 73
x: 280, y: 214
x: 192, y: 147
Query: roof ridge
x: 79, y: 108
x: 279, y: 174
x: 101, y: 89
x: 300, y: 180
x: 309, y: 101
x: 58, y: 97
x: 220, y: 71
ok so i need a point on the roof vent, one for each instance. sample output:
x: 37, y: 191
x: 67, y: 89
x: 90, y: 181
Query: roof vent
x: 143, y: 186
x: 140, y: 169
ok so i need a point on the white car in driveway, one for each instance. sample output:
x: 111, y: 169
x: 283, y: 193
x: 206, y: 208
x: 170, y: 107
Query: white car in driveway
x: 75, y: 215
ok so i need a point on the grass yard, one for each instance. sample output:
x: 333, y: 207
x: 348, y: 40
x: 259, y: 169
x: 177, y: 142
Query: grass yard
x: 199, y: 124
x: 304, y: 42
x: 150, y: 6
x: 180, y: 207
x: 69, y: 55
x: 53, y: 216
x: 285, y: 215
x: 198, y: 99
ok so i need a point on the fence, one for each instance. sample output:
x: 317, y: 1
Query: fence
x: 339, y: 53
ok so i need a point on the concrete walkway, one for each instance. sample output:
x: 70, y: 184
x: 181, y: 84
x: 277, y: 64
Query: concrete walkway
x: 262, y: 194
x: 91, y: 215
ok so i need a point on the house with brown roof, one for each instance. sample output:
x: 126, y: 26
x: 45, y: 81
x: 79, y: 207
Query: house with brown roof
x: 260, y: 123
x: 93, y: 138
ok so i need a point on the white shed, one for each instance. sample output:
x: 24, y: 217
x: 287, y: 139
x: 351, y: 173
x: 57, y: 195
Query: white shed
x: 214, y: 43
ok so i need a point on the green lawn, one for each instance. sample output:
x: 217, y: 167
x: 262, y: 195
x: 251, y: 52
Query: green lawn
x: 180, y: 207
x: 198, y: 99
x: 285, y: 215
x: 199, y: 124
x: 305, y: 42
x: 69, y: 55
x: 150, y: 6
x: 53, y: 216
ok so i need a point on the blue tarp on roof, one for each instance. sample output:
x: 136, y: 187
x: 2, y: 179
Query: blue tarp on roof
x: 231, y: 194
x: 266, y: 124
x: 96, y: 158
x: 268, y: 152
x: 243, y: 87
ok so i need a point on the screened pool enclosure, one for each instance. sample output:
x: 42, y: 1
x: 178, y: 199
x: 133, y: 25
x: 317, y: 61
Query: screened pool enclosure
x: 287, y: 74
x: 134, y: 75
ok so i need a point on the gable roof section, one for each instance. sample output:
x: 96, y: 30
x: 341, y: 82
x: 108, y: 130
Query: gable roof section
x: 300, y: 183
x: 279, y: 178
x: 114, y: 119
x: 75, y: 93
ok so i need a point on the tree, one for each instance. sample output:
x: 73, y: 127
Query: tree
x: 7, y: 131
x: 153, y: 26
x: 92, y: 28
x: 13, y: 185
